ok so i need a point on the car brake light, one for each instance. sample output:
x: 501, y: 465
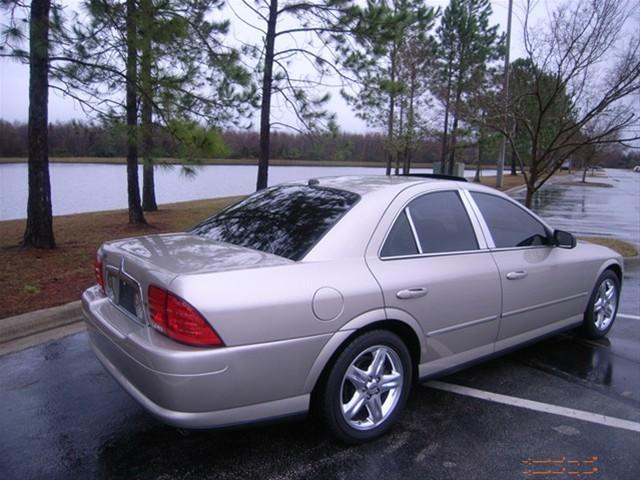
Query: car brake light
x: 157, y: 298
x: 174, y: 317
x: 99, y: 272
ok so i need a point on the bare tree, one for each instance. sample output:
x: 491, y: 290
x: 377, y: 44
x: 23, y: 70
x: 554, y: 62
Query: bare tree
x: 589, y: 155
x: 581, y: 87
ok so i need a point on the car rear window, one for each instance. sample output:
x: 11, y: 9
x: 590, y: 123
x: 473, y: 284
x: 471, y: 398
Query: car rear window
x: 286, y: 220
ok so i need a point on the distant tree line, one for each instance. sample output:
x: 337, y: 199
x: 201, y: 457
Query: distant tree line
x: 77, y: 139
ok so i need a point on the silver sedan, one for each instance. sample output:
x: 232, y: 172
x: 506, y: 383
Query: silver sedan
x: 345, y: 290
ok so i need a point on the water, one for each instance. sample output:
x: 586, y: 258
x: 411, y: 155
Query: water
x: 77, y: 188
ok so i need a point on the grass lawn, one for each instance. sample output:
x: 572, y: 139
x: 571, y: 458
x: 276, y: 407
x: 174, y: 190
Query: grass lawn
x: 508, y: 181
x: 623, y: 248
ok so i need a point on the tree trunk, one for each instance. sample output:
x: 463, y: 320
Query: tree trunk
x: 454, y: 140
x: 265, y: 108
x: 408, y: 150
x: 390, y: 118
x: 148, y: 182
x: 136, y: 216
x: 531, y: 181
x: 401, y: 135
x: 529, y: 198
x: 514, y: 170
x: 584, y: 174
x: 447, y: 105
x: 454, y: 132
x: 476, y: 178
x: 39, y: 229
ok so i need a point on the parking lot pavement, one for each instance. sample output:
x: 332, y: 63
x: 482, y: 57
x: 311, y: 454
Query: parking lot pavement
x: 63, y: 417
x: 608, y: 206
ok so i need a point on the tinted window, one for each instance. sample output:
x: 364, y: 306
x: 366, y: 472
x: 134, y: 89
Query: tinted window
x: 510, y: 225
x: 400, y: 240
x: 442, y: 223
x: 286, y: 221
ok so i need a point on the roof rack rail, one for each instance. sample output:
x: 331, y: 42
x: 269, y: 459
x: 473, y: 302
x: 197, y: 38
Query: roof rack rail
x: 439, y: 176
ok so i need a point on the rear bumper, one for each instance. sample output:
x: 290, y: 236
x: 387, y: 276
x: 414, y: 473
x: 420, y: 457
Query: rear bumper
x: 199, y: 388
x: 220, y: 418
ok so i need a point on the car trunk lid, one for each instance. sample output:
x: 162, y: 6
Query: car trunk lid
x: 131, y: 265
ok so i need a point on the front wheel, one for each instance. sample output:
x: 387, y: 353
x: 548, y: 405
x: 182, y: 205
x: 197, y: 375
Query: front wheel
x: 367, y: 387
x: 603, y: 306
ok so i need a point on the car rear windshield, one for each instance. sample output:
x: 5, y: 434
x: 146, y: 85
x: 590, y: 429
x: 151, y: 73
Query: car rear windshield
x: 286, y: 221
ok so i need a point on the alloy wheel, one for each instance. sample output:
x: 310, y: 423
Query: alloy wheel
x: 604, y: 306
x: 371, y: 387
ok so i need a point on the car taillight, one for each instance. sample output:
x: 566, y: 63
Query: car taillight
x: 178, y: 320
x: 99, y: 272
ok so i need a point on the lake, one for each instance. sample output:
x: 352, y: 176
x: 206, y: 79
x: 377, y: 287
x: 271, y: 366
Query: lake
x: 77, y: 188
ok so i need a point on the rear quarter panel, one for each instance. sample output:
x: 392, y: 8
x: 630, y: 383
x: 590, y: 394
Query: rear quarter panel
x: 277, y: 303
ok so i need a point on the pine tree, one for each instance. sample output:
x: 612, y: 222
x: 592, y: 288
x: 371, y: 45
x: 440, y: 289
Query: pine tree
x: 467, y: 44
x: 177, y: 70
x: 45, y: 27
x: 390, y: 69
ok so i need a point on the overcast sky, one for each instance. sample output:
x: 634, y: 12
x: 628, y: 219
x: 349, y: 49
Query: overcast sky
x: 14, y: 77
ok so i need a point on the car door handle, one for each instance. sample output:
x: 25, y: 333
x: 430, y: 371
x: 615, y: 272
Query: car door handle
x: 517, y: 275
x: 411, y: 293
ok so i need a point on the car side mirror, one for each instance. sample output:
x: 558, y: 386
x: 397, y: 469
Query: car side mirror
x: 564, y: 239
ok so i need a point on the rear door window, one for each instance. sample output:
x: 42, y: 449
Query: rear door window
x: 441, y: 224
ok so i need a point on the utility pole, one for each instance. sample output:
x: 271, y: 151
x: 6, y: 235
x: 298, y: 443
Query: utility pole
x: 505, y: 98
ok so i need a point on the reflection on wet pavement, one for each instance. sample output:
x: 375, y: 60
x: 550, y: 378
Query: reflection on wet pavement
x: 593, y: 363
x: 593, y: 210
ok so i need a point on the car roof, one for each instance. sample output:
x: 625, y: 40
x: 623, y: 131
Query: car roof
x: 370, y: 185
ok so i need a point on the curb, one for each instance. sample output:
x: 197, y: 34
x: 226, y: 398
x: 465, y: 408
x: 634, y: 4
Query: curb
x: 13, y: 330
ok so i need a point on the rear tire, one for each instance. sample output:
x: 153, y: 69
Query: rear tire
x: 603, y: 306
x: 367, y: 387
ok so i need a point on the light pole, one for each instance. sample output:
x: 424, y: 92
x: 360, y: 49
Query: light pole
x: 505, y: 98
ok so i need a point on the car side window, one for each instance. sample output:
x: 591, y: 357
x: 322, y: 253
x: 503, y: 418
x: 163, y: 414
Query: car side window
x: 510, y: 225
x: 442, y: 223
x: 400, y: 240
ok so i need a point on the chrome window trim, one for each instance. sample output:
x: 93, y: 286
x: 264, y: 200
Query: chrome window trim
x: 439, y: 254
x: 482, y: 245
x: 528, y: 247
x: 416, y: 238
x: 484, y: 228
x: 477, y: 221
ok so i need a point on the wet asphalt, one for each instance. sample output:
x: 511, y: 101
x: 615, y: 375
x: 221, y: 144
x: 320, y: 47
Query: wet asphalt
x: 62, y: 416
x: 608, y: 206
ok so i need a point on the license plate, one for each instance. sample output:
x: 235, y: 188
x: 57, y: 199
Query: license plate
x: 129, y: 298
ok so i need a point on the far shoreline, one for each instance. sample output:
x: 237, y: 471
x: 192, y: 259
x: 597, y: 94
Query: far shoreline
x: 214, y: 161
